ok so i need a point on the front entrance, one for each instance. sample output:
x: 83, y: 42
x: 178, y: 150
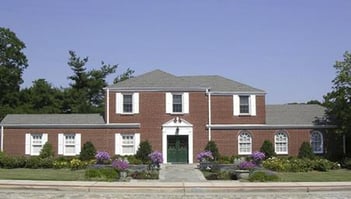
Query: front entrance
x: 177, y: 148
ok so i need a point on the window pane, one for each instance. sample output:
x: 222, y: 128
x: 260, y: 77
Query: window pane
x: 127, y: 103
x: 127, y: 149
x: 69, y: 149
x: 128, y: 144
x: 244, y: 104
x: 281, y: 142
x: 245, y: 142
x: 177, y: 104
x: 316, y: 142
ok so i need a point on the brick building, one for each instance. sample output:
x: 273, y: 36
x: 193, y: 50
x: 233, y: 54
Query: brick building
x: 178, y: 115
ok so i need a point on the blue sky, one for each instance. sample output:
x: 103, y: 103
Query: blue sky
x: 287, y: 48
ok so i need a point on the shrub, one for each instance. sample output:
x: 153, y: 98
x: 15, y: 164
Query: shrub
x: 120, y: 164
x: 204, y: 156
x: 106, y: 174
x: 76, y: 164
x: 144, y: 150
x: 156, y: 158
x: 102, y: 157
x: 33, y: 162
x: 268, y: 149
x: 12, y: 162
x: 246, y: 165
x: 298, y: 165
x: 60, y: 164
x: 145, y: 175
x: 88, y: 151
x: 211, y: 146
x: 306, y: 151
x: 347, y: 163
x: 46, y: 151
x: 133, y: 160
x: 323, y: 165
x: 263, y: 176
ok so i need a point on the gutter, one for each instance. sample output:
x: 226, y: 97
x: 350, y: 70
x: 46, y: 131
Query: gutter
x: 267, y: 126
x: 2, y: 139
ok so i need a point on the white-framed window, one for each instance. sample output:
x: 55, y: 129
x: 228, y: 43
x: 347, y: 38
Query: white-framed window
x: 281, y: 141
x: 35, y: 142
x: 127, y: 103
x: 177, y: 103
x: 127, y: 144
x: 244, y: 105
x: 245, y: 143
x: 69, y: 144
x: 317, y: 142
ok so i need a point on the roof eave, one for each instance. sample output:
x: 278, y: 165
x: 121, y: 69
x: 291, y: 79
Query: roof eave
x: 267, y: 126
x: 73, y: 126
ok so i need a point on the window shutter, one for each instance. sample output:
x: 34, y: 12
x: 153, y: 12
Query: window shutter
x: 169, y: 103
x: 27, y: 144
x: 186, y: 103
x: 253, y: 105
x: 119, y: 103
x: 136, y: 103
x: 236, y: 105
x: 77, y: 140
x: 60, y: 144
x: 44, y: 138
x: 136, y: 142
x: 118, y: 144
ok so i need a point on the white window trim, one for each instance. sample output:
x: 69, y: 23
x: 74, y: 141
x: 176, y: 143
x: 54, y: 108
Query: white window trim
x: 287, y: 143
x: 119, y: 103
x: 244, y: 153
x: 185, y: 103
x: 322, y: 142
x: 29, y: 143
x: 252, y: 105
x: 61, y: 144
x: 118, y: 143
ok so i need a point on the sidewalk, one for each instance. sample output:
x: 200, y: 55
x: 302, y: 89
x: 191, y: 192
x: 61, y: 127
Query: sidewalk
x: 189, y: 187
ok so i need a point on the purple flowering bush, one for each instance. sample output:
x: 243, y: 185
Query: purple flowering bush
x: 156, y: 158
x: 120, y: 164
x: 247, y: 165
x: 204, y: 156
x: 102, y: 156
x: 258, y: 156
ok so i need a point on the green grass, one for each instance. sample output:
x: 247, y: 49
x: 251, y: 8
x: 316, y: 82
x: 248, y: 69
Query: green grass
x: 315, y: 176
x: 42, y: 174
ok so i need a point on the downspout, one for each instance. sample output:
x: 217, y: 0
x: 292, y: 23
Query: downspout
x: 2, y: 139
x: 209, y: 113
x: 107, y: 106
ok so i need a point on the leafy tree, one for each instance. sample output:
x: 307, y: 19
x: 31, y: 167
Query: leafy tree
x: 143, y: 152
x: 314, y: 102
x: 268, y: 149
x: 212, y: 146
x: 88, y: 151
x: 338, y: 101
x: 306, y: 151
x: 12, y: 64
x: 41, y: 97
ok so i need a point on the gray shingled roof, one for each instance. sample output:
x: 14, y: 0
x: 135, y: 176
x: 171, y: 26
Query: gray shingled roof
x: 160, y: 80
x: 50, y: 119
x: 295, y: 114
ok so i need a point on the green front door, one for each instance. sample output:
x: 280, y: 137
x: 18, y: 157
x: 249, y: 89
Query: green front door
x: 177, y: 148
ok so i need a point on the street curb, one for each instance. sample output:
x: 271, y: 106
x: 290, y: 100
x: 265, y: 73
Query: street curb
x: 178, y: 187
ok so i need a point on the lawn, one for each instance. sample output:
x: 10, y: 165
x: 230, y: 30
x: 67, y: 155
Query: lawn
x: 315, y: 176
x: 43, y: 174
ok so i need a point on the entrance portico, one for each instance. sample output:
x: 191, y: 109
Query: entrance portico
x: 177, y: 141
